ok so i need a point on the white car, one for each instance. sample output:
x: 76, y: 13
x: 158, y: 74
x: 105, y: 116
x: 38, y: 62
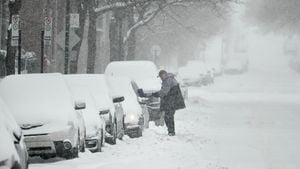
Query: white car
x: 136, y: 116
x: 144, y: 74
x: 94, y: 121
x: 13, y: 153
x: 42, y: 105
x: 104, y: 102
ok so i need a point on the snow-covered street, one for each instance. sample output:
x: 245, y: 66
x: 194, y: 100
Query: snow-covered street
x: 241, y: 122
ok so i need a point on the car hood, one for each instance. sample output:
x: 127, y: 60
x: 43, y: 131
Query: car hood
x: 43, y: 128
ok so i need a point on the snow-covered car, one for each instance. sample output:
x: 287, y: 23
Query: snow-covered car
x: 109, y: 106
x: 94, y: 121
x: 236, y: 66
x: 216, y: 69
x: 144, y: 74
x: 205, y: 73
x: 188, y: 77
x: 43, y: 107
x: 12, y: 147
x: 136, y: 116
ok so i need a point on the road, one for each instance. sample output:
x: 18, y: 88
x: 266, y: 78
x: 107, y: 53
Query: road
x: 246, y: 121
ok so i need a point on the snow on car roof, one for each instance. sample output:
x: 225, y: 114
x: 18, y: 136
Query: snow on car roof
x: 136, y: 70
x: 97, y: 85
x: 37, y: 98
x: 130, y: 104
x: 144, y: 73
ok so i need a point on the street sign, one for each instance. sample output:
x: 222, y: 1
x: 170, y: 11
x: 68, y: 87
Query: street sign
x: 47, y: 30
x: 74, y: 20
x: 15, y: 25
x: 74, y: 39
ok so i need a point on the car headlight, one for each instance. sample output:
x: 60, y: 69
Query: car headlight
x: 132, y: 117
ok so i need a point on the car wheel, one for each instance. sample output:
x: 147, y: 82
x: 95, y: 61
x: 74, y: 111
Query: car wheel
x: 81, y: 144
x: 139, y: 132
x: 16, y: 166
x: 115, y: 132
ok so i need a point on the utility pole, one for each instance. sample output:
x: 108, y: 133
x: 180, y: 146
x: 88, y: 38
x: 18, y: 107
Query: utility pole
x: 67, y: 36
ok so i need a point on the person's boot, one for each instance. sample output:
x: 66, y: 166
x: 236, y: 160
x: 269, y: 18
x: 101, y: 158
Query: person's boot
x: 172, y: 134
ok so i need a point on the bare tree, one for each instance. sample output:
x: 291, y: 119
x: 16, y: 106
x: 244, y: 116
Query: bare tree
x: 275, y: 15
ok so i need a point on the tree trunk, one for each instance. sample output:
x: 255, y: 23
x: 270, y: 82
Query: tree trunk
x: 3, y: 24
x: 131, y: 41
x: 116, y: 36
x: 82, y: 10
x: 91, y: 38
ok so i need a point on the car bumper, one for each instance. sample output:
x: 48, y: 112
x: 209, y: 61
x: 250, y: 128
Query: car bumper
x: 132, y: 129
x: 39, y: 145
x: 92, y: 143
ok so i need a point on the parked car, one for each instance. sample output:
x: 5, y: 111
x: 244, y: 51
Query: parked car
x: 42, y: 106
x: 216, y: 68
x: 237, y: 66
x: 144, y: 74
x: 109, y: 106
x: 12, y: 147
x: 136, y: 116
x: 188, y: 77
x: 94, y: 121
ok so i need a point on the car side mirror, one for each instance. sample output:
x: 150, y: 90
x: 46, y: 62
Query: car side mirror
x: 141, y: 93
x: 104, y: 112
x: 80, y: 105
x: 118, y: 99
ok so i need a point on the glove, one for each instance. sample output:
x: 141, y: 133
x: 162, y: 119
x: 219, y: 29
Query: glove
x: 141, y: 93
x: 156, y: 94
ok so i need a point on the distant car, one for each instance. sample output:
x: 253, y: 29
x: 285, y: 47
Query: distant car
x: 188, y: 77
x: 136, y: 116
x: 144, y: 74
x: 237, y: 66
x: 42, y: 106
x: 12, y: 147
x: 94, y: 121
x: 216, y: 69
x: 109, y: 106
x: 205, y: 73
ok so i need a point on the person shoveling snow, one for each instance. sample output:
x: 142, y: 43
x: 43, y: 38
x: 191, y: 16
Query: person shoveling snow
x: 171, y: 99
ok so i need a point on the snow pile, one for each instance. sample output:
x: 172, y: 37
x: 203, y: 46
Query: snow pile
x: 37, y: 99
x: 97, y: 85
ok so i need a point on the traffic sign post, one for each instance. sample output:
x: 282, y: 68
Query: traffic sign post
x: 15, y: 30
x: 47, y: 31
x: 42, y: 50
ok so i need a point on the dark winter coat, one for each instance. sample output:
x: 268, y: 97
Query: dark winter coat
x: 170, y: 94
